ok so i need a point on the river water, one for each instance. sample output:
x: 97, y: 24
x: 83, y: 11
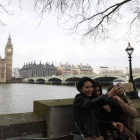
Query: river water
x: 19, y: 98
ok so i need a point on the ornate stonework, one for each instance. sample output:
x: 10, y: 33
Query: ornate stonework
x: 37, y: 70
x: 6, y: 64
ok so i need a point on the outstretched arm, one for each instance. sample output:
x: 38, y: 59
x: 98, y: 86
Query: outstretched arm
x: 126, y: 107
x: 99, y: 101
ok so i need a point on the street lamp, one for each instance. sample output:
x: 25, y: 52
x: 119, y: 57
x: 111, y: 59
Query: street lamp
x: 132, y: 94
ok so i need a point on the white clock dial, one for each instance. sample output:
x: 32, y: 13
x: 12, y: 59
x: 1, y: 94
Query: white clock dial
x: 9, y: 50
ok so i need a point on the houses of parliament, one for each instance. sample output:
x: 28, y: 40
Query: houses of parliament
x: 6, y: 63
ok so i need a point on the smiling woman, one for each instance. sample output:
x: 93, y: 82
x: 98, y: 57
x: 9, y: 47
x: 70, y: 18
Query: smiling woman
x: 84, y: 105
x: 87, y: 89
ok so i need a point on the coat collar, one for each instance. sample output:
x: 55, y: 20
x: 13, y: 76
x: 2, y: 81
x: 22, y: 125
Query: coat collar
x: 83, y: 95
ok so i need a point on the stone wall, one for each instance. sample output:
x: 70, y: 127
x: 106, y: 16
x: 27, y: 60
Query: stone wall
x: 58, y: 115
x: 50, y: 118
x: 21, y: 125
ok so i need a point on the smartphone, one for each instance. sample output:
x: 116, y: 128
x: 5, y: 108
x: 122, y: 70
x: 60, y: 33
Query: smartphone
x: 127, y: 87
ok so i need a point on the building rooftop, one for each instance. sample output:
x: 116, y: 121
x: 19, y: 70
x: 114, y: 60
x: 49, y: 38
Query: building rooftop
x: 38, y: 66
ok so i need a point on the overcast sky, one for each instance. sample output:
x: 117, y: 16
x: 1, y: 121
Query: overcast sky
x: 50, y: 43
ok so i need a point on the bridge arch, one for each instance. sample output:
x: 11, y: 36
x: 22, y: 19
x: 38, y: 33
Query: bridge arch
x: 135, y: 78
x: 40, y: 81
x: 72, y: 80
x: 107, y: 80
x: 137, y: 81
x: 54, y: 81
x: 30, y: 81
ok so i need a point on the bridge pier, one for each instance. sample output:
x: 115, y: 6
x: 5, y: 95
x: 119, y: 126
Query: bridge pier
x: 46, y: 81
x: 62, y: 80
x: 35, y: 81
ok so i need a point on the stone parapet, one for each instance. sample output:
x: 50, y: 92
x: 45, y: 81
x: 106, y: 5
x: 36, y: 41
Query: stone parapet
x: 58, y: 115
x: 21, y: 125
x: 52, y: 119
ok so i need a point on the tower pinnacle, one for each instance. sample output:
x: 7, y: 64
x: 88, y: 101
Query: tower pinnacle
x: 9, y: 41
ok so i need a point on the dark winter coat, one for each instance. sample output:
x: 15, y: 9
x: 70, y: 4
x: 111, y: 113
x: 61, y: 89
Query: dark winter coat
x: 104, y: 116
x: 85, y: 115
x: 125, y: 112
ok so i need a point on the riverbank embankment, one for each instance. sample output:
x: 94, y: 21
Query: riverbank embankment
x: 50, y: 118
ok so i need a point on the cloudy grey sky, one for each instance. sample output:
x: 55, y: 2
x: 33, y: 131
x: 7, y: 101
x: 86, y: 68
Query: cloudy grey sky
x: 49, y: 42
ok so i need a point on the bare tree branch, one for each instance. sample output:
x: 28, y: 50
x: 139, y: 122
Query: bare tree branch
x: 8, y: 12
x: 4, y: 10
x: 92, y: 17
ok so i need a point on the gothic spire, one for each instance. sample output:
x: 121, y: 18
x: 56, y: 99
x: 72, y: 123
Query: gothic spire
x: 9, y: 41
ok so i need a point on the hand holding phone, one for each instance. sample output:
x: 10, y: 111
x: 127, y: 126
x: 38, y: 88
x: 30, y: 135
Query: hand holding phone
x: 127, y: 87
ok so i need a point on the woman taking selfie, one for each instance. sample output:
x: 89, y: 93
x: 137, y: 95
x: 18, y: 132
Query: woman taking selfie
x: 123, y: 110
x: 84, y: 106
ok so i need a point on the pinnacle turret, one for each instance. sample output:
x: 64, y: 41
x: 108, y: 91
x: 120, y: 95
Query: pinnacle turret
x: 9, y: 41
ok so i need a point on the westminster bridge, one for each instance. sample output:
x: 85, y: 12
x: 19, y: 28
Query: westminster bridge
x: 73, y: 79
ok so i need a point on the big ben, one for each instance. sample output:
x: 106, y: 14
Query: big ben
x: 9, y: 59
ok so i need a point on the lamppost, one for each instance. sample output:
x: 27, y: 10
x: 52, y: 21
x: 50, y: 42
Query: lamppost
x: 132, y: 94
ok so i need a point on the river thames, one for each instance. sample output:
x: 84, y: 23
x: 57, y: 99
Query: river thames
x: 19, y: 98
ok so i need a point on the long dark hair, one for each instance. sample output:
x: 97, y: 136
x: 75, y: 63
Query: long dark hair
x: 97, y: 84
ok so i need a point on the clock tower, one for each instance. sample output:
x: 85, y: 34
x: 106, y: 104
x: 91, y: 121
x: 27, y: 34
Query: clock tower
x: 9, y: 59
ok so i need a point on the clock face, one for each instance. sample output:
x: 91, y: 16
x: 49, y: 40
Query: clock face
x: 9, y: 50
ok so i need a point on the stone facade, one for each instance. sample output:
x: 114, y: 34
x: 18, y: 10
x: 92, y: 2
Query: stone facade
x: 15, y: 73
x: 6, y: 63
x: 67, y: 69
x: 37, y: 70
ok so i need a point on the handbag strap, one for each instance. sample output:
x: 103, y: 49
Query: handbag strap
x: 82, y: 135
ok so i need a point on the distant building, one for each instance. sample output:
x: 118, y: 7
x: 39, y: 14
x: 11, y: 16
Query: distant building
x: 66, y: 69
x: 110, y: 70
x: 37, y: 70
x: 16, y: 73
x: 6, y: 63
x: 84, y: 69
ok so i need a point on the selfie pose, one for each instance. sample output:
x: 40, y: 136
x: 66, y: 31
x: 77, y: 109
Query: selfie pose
x: 123, y: 110
x: 85, y: 117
